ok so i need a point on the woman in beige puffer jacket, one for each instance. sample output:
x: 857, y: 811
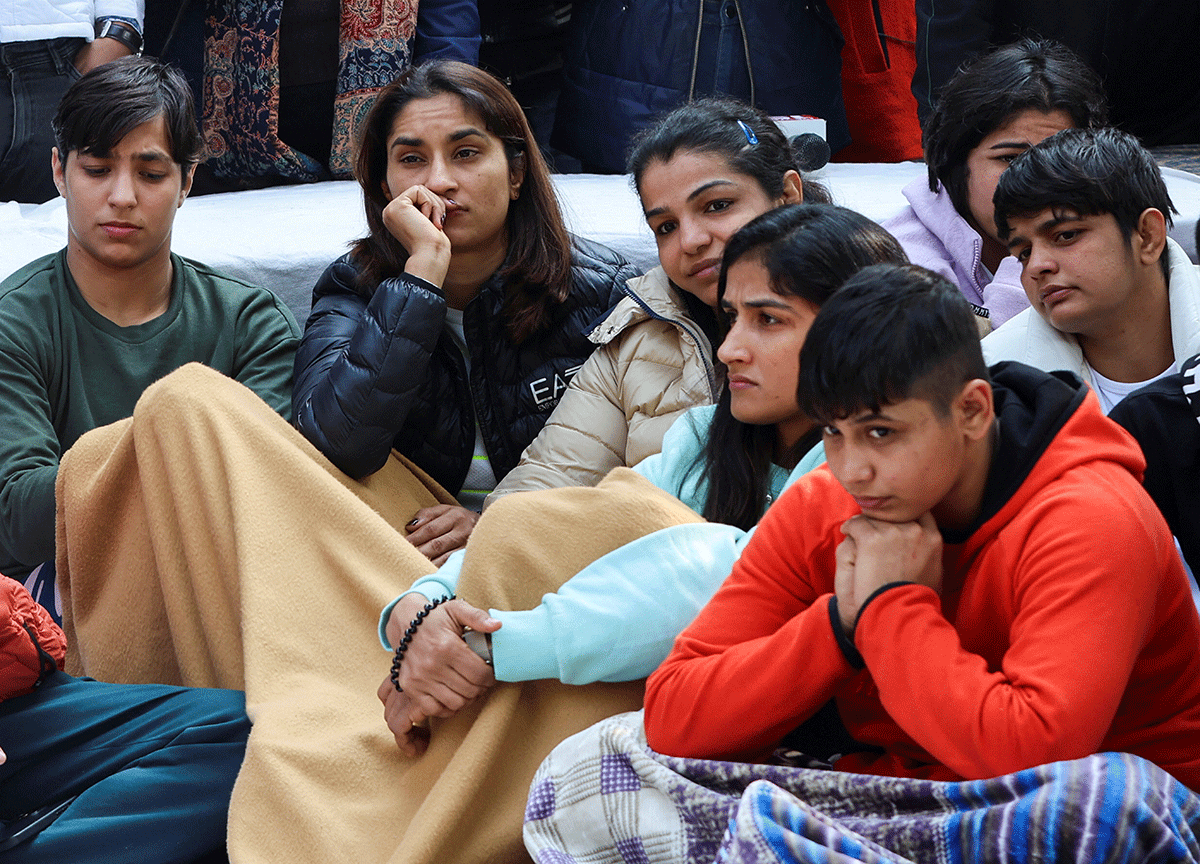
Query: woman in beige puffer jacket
x: 702, y: 172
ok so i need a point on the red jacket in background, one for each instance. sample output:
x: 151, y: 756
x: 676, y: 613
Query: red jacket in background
x: 877, y: 72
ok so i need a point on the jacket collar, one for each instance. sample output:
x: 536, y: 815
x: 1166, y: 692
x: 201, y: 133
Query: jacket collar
x: 651, y: 292
x: 1046, y: 348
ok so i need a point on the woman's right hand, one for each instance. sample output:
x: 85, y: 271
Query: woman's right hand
x: 439, y: 673
x: 415, y: 218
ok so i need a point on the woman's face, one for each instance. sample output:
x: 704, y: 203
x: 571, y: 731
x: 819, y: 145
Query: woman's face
x: 762, y: 350
x: 993, y: 154
x: 694, y: 203
x: 444, y: 146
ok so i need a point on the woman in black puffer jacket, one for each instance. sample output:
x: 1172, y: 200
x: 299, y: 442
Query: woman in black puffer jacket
x: 450, y: 331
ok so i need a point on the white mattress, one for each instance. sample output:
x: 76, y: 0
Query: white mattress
x: 284, y: 237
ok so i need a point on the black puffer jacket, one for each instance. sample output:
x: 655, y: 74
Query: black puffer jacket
x: 382, y: 373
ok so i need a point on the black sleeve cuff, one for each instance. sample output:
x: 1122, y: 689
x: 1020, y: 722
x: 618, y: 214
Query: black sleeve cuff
x: 843, y: 639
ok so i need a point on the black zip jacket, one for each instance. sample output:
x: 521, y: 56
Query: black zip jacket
x: 378, y: 373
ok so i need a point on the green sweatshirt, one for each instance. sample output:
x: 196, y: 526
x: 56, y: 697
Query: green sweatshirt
x: 66, y: 369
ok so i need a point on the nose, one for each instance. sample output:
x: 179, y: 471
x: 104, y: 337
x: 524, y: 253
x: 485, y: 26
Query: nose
x: 1041, y: 260
x: 693, y: 236
x: 440, y: 178
x: 122, y: 192
x: 850, y: 465
x: 733, y: 348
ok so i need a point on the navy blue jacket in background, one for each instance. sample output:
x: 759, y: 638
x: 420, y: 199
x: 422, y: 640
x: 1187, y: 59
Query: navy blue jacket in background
x: 628, y: 60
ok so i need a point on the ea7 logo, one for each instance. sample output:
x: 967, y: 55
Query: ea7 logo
x: 548, y: 390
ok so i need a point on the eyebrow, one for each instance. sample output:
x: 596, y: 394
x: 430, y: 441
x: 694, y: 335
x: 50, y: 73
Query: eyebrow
x: 873, y: 417
x: 1043, y: 227
x: 405, y: 141
x: 1010, y: 145
x: 146, y: 156
x: 696, y: 193
x: 765, y: 303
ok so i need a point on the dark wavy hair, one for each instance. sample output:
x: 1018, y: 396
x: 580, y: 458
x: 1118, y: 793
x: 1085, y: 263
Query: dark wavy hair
x: 808, y: 251
x: 538, y: 267
x: 101, y: 108
x: 984, y: 94
x: 715, y: 125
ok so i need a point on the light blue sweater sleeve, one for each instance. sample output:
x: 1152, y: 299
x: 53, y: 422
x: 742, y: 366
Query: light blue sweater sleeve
x: 440, y: 583
x: 676, y: 467
x: 617, y: 618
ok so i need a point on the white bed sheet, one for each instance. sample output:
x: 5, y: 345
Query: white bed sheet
x: 284, y: 237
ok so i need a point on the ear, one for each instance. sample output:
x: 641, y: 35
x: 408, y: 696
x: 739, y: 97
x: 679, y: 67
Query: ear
x: 189, y: 174
x: 58, y: 167
x: 387, y: 193
x: 793, y: 189
x: 1150, y: 237
x: 974, y: 409
x: 516, y: 176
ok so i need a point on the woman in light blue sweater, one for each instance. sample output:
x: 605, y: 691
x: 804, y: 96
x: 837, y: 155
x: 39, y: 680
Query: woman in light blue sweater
x: 727, y: 462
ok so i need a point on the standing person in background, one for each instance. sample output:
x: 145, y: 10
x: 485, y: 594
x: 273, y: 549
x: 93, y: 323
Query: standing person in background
x: 878, y: 62
x: 992, y: 110
x: 627, y: 62
x: 44, y: 46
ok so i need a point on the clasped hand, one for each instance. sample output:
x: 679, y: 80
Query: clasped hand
x: 439, y: 675
x: 875, y: 553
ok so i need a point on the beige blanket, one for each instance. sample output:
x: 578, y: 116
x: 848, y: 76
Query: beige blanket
x: 205, y: 542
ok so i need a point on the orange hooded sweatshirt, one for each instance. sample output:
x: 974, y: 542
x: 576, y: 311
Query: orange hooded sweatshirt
x: 1065, y: 626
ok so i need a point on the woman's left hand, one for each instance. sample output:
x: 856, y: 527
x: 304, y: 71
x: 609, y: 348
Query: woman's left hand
x: 403, y: 719
x: 439, y: 530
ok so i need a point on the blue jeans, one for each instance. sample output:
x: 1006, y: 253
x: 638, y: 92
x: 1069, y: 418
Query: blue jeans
x: 150, y: 769
x: 33, y: 78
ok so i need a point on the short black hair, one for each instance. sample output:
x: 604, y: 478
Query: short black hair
x: 1087, y: 171
x: 103, y: 106
x: 893, y: 332
x: 983, y: 95
x: 743, y: 135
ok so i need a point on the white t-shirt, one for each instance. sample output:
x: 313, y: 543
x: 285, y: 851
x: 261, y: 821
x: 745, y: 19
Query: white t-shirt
x: 481, y: 479
x: 1111, y: 392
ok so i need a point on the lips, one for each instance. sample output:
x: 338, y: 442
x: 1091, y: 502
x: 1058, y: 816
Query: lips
x: 870, y: 503
x: 739, y: 382
x: 1052, y: 294
x: 119, y: 230
x: 701, y: 269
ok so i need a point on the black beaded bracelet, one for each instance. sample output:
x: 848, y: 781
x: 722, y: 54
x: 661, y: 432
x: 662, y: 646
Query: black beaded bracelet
x: 408, y: 635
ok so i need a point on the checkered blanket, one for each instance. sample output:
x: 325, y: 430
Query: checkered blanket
x: 603, y: 797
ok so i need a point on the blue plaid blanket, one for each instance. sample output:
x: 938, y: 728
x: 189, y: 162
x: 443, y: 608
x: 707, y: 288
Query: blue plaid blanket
x: 603, y: 797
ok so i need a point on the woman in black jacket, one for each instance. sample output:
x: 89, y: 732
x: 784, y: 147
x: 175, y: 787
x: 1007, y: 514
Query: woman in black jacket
x: 451, y: 330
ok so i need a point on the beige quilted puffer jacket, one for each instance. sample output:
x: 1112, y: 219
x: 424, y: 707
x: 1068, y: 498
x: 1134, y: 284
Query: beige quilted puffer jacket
x: 654, y: 362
